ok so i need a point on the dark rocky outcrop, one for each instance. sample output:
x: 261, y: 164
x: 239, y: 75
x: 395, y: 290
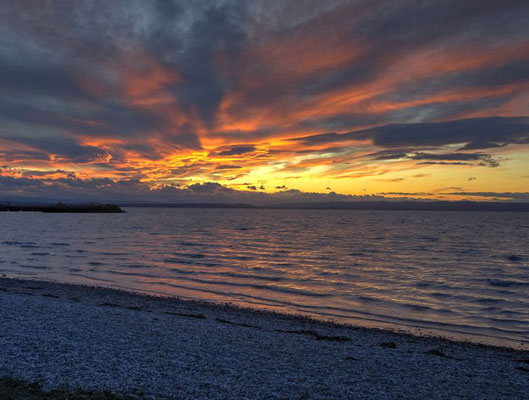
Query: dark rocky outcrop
x: 62, y: 208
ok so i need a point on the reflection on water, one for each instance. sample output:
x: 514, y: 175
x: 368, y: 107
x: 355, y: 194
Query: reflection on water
x: 458, y: 272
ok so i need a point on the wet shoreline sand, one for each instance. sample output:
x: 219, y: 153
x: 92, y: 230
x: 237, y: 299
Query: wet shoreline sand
x: 106, y: 339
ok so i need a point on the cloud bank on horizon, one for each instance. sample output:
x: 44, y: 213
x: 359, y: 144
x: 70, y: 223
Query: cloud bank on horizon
x: 264, y: 99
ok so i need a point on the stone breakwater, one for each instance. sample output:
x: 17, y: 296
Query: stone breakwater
x: 63, y: 208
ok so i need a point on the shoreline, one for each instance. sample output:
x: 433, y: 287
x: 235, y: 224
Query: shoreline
x: 454, y: 337
x: 165, y: 346
x: 376, y: 325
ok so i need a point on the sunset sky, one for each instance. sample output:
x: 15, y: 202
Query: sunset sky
x: 264, y: 100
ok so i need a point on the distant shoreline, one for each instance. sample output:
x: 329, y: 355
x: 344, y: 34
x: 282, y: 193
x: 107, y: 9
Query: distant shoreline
x: 357, y: 205
x: 86, y: 207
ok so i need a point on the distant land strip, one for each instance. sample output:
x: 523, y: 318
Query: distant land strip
x: 360, y: 205
x: 328, y: 205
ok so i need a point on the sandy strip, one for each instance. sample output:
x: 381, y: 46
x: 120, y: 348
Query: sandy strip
x: 97, y: 338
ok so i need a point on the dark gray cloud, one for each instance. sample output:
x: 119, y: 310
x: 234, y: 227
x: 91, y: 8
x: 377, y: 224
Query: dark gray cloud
x: 23, y: 155
x: 511, y: 72
x: 26, y: 172
x: 485, y: 159
x: 65, y: 149
x: 483, y: 131
x: 391, y: 156
x: 43, y: 79
x: 208, y: 187
x: 444, y: 163
x: 217, y: 30
x: 488, y: 132
x: 105, y: 118
x: 219, y: 167
x: 236, y: 150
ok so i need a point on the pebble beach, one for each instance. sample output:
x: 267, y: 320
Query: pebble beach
x: 62, y: 335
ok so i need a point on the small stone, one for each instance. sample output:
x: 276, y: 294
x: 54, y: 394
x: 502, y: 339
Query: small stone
x: 435, y: 352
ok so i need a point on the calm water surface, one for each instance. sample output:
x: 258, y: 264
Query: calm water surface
x: 460, y: 274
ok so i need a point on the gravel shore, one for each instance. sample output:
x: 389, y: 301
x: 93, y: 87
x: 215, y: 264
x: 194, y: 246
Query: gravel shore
x: 95, y: 338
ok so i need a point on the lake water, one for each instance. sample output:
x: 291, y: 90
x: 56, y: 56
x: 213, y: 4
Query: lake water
x: 459, y: 274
